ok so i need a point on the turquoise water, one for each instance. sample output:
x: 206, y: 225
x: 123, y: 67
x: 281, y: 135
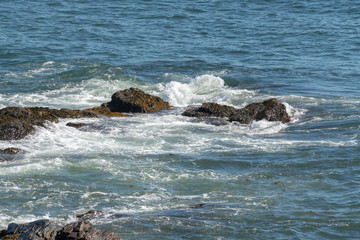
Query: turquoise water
x: 265, y: 180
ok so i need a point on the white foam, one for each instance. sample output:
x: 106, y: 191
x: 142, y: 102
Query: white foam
x: 88, y: 93
x: 201, y: 89
x: 48, y: 63
x: 5, y: 220
x: 264, y: 127
x: 47, y: 68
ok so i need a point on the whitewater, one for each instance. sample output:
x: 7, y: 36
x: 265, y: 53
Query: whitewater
x: 166, y: 176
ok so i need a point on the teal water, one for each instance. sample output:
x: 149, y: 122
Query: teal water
x: 265, y: 180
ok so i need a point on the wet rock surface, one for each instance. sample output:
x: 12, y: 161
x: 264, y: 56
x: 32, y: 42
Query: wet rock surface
x: 105, y: 110
x: 18, y: 122
x: 46, y: 230
x: 7, y: 154
x: 37, y: 230
x: 75, y: 125
x: 10, y: 151
x: 136, y: 101
x: 271, y: 110
x: 84, y: 230
x: 89, y: 215
x: 210, y: 110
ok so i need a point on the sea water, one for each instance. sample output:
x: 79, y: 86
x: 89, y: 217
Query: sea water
x: 264, y: 180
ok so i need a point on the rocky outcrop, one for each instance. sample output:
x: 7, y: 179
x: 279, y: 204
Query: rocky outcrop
x: 45, y: 230
x: 105, y: 110
x: 17, y: 122
x: 136, y: 101
x: 271, y: 110
x: 210, y: 110
x: 84, y: 230
x: 38, y: 230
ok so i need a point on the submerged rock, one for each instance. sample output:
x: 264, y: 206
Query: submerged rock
x: 7, y: 154
x: 200, y: 205
x: 89, y: 215
x: 75, y: 125
x: 136, y: 101
x: 11, y: 151
x: 271, y: 110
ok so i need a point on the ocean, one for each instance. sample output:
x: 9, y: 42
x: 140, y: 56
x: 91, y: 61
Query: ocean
x: 147, y: 172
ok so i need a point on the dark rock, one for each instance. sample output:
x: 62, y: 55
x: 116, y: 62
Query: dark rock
x: 75, y: 125
x: 7, y: 154
x: 89, y: 215
x: 45, y: 230
x: 84, y: 230
x: 2, y: 233
x: 210, y: 110
x: 200, y: 205
x: 38, y: 230
x: 105, y: 110
x: 271, y: 110
x: 18, y: 122
x: 136, y: 101
x: 10, y: 150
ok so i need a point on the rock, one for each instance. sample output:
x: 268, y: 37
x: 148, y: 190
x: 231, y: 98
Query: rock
x: 210, y: 110
x: 200, y: 205
x: 75, y: 125
x: 38, y: 230
x: 2, y: 233
x: 136, y: 101
x: 84, y: 230
x: 89, y: 215
x: 105, y: 110
x: 7, y: 154
x: 45, y: 230
x: 10, y: 150
x: 271, y: 110
x: 18, y: 122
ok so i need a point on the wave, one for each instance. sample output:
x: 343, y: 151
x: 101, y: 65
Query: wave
x: 203, y: 88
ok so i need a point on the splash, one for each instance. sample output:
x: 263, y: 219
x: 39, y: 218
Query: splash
x: 203, y: 88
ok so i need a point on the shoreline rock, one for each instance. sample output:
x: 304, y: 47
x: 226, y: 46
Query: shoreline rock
x: 45, y: 230
x: 84, y: 230
x: 18, y: 122
x: 271, y: 110
x: 105, y: 110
